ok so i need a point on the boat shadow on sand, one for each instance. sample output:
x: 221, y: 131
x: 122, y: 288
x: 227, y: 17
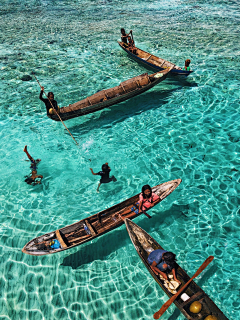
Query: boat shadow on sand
x: 122, y: 111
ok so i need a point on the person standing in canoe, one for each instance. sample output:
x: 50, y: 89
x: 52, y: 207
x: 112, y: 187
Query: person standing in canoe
x: 147, y: 199
x: 104, y: 175
x: 162, y: 262
x: 32, y: 178
x: 124, y: 37
x: 50, y: 103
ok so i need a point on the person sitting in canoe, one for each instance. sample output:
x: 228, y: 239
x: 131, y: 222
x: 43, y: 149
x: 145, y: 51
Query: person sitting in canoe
x: 131, y: 45
x: 49, y: 105
x: 124, y: 37
x: 104, y: 175
x: 147, y: 199
x: 187, y: 63
x: 163, y: 262
x: 34, y: 176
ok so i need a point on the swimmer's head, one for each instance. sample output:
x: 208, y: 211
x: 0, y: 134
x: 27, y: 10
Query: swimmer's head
x: 104, y: 167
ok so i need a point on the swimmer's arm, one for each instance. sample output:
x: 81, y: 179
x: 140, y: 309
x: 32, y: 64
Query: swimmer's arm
x: 95, y: 174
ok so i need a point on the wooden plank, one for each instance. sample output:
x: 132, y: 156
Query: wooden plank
x: 93, y: 233
x: 196, y: 296
x: 60, y: 239
x: 80, y: 238
x: 122, y: 87
x: 148, y: 58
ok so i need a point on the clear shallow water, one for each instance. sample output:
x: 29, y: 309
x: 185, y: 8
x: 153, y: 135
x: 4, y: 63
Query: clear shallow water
x: 180, y: 129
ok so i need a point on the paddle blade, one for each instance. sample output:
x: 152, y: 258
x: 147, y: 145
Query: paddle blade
x: 167, y: 304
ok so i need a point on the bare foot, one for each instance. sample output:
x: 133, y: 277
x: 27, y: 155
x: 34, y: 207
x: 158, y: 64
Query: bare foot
x: 25, y: 149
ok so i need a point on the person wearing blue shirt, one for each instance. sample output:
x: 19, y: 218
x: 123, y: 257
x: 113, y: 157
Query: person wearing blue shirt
x: 162, y: 262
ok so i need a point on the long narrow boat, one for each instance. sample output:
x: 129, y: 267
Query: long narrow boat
x: 144, y: 244
x: 97, y: 224
x: 106, y: 98
x: 154, y: 62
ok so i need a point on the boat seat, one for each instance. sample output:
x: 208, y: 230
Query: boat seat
x: 148, y: 58
x: 93, y: 233
x: 60, y: 239
x: 162, y: 64
x: 196, y: 296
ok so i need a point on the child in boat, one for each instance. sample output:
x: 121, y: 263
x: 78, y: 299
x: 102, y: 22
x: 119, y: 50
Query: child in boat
x: 147, y: 199
x: 32, y: 178
x: 49, y: 104
x: 124, y: 37
x: 187, y: 63
x: 131, y: 45
x: 162, y: 262
x: 104, y: 175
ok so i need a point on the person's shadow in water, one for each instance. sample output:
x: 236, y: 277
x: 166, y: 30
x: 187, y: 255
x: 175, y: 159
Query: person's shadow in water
x: 109, y: 243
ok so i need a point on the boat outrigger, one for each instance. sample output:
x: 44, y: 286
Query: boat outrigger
x: 106, y: 98
x: 91, y: 227
x: 154, y: 62
x: 144, y: 245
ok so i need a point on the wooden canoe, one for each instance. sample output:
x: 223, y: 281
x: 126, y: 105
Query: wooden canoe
x: 154, y: 62
x: 144, y: 244
x: 98, y: 224
x: 106, y: 98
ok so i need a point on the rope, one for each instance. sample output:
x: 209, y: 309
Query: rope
x: 54, y: 109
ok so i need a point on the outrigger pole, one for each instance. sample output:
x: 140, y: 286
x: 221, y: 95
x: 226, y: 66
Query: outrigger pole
x: 54, y: 109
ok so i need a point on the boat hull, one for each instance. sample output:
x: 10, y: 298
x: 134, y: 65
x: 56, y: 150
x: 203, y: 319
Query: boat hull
x: 144, y: 244
x: 99, y: 224
x: 148, y: 64
x: 123, y: 93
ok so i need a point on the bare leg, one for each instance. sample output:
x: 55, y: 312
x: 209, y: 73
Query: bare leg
x: 28, y: 155
x: 98, y: 187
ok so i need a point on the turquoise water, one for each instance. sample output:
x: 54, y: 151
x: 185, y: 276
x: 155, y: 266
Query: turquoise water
x: 180, y: 129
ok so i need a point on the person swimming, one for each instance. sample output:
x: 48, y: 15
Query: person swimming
x: 49, y: 105
x: 32, y: 179
x: 104, y: 175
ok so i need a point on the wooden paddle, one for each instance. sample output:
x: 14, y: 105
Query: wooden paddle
x: 146, y: 214
x: 132, y: 35
x: 55, y: 112
x: 167, y: 304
